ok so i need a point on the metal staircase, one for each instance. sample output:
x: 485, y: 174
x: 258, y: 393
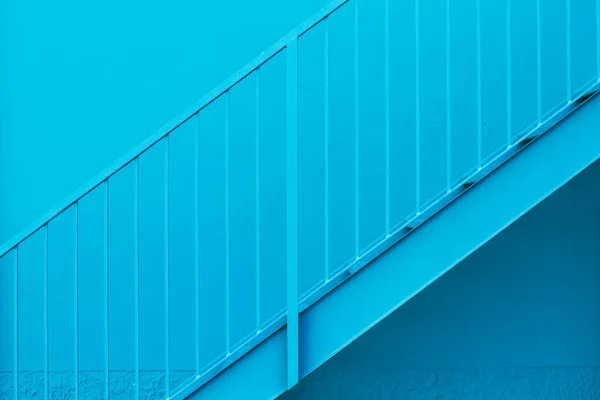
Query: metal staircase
x: 302, y: 201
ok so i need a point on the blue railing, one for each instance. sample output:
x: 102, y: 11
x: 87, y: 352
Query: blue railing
x: 268, y: 193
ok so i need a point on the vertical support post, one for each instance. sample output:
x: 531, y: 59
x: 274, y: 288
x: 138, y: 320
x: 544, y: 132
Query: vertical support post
x: 292, y: 213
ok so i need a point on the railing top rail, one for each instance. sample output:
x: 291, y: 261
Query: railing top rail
x: 172, y: 125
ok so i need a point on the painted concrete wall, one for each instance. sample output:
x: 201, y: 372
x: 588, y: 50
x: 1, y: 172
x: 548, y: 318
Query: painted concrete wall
x: 519, y: 319
x: 84, y: 82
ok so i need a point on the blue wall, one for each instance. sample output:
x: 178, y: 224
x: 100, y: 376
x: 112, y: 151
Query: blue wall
x: 519, y: 319
x: 84, y: 82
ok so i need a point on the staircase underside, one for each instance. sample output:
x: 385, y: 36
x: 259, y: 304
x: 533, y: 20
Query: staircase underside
x: 408, y: 267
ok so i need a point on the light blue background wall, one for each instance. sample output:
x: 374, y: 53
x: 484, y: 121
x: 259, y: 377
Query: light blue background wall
x: 81, y: 83
x: 519, y: 319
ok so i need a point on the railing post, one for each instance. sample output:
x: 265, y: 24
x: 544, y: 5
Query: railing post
x: 292, y: 212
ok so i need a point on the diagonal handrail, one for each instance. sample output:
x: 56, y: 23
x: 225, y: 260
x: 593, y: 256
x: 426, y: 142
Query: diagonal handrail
x: 171, y: 125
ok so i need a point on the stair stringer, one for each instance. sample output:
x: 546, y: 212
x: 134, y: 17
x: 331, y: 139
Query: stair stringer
x: 408, y: 267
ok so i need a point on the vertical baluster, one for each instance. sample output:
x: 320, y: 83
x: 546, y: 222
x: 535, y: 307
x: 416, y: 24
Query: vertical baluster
x: 598, y: 39
x: 292, y: 212
x: 568, y: 17
x: 356, y: 140
x: 227, y: 226
x: 16, y: 323
x: 76, y: 297
x: 326, y: 150
x: 387, y: 114
x: 538, y: 13
x: 479, y: 90
x: 136, y: 271
x: 46, y: 323
x: 508, y: 76
x: 106, y: 338
x: 166, y: 244
x: 196, y: 239
x: 448, y: 102
x: 417, y: 109
x: 257, y: 194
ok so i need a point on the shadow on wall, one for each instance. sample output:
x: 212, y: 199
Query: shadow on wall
x: 519, y: 319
